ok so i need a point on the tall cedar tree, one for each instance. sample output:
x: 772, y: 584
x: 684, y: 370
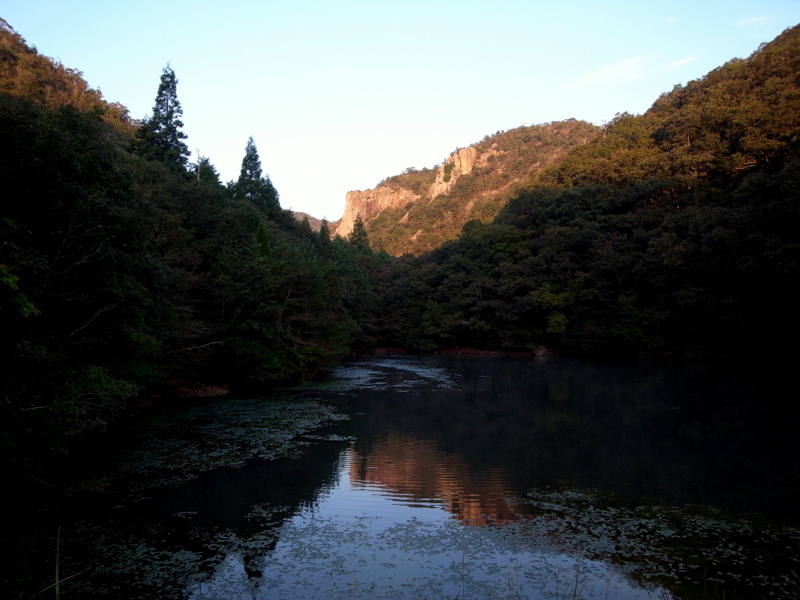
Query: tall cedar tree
x: 358, y: 237
x: 160, y: 136
x: 252, y: 186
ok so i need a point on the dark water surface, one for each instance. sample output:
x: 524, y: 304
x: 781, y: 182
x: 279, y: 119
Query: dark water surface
x: 449, y: 477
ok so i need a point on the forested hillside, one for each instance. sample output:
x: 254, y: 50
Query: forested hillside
x: 419, y: 210
x: 125, y: 270
x: 674, y: 232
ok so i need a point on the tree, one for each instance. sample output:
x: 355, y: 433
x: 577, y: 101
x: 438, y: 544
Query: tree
x: 358, y: 237
x: 252, y: 186
x: 205, y: 171
x: 160, y: 137
x: 324, y: 231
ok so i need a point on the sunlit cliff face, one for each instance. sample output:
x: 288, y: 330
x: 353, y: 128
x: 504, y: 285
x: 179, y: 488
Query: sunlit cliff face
x: 417, y: 470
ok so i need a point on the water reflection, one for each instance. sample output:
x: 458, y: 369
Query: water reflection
x: 363, y: 539
x: 561, y: 460
x: 691, y: 433
x: 418, y: 473
x: 453, y: 477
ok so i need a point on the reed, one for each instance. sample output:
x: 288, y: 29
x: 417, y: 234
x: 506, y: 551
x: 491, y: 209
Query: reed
x: 57, y: 580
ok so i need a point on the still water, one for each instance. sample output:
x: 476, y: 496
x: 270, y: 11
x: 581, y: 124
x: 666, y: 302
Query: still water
x: 455, y: 477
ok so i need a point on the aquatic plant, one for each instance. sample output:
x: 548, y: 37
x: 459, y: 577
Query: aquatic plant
x: 681, y: 548
x: 174, y: 447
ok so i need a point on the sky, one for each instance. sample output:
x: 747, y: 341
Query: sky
x: 339, y: 95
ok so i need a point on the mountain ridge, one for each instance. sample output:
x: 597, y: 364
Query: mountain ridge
x: 671, y: 234
x: 418, y: 210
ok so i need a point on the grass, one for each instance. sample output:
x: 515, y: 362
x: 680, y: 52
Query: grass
x: 56, y: 585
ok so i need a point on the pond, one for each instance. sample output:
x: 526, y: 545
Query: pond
x: 445, y: 477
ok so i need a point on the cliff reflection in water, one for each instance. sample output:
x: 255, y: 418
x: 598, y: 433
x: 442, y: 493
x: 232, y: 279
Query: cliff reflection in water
x: 415, y: 471
x: 684, y: 433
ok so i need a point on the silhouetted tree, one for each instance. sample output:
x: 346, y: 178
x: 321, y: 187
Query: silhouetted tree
x: 160, y: 137
x: 252, y: 186
x: 205, y: 171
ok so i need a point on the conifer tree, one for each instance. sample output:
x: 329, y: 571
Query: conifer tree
x: 324, y: 231
x: 358, y: 237
x: 160, y: 136
x: 205, y: 171
x: 252, y: 186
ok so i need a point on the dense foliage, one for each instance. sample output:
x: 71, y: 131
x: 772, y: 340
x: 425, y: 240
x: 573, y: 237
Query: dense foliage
x: 505, y: 162
x: 671, y: 232
x: 125, y: 271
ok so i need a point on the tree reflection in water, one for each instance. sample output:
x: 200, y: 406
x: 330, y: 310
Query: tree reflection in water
x: 468, y: 477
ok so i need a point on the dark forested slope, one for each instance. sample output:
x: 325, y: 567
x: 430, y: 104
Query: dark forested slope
x: 671, y: 232
x: 125, y: 270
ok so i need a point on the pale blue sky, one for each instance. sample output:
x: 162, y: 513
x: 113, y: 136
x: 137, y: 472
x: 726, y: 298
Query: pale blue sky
x: 339, y: 95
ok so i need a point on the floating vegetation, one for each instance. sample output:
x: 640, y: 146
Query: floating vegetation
x: 266, y: 513
x: 689, y: 549
x: 213, y: 515
x: 139, y: 564
x: 139, y: 552
x: 127, y: 564
x: 329, y: 438
x: 330, y: 558
x: 173, y: 448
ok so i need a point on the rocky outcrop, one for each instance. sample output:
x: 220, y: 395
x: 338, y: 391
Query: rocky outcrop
x: 457, y: 164
x: 369, y: 204
x: 422, y: 209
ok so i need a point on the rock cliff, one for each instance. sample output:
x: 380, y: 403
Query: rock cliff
x: 419, y: 210
x: 390, y: 195
x: 457, y: 164
x: 369, y: 204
